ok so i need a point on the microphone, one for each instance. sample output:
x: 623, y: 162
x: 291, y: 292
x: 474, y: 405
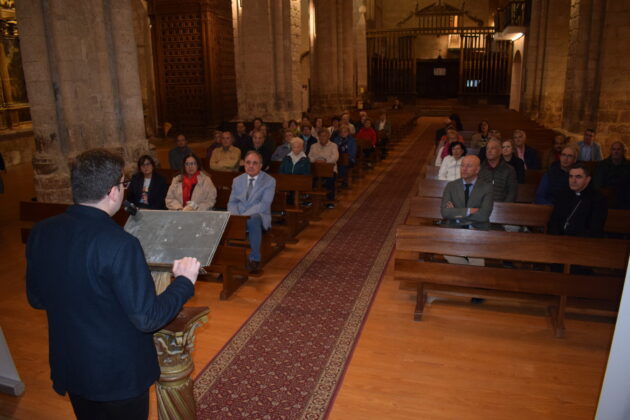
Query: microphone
x: 130, y: 207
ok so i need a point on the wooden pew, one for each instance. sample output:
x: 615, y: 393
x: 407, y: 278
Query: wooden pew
x: 320, y: 171
x: 435, y: 188
x: 618, y: 222
x: 431, y: 171
x: 296, y: 215
x: 35, y: 211
x: 531, y: 215
x: 599, y: 291
x: 223, y: 183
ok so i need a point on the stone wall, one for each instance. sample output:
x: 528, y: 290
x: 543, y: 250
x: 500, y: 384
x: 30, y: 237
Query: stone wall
x: 576, y: 68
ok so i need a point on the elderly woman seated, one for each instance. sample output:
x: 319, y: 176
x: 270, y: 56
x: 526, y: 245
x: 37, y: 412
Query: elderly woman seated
x: 148, y: 188
x: 296, y: 162
x: 192, y: 190
x: 450, y: 168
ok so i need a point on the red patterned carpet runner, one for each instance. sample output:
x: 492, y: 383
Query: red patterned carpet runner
x: 287, y: 360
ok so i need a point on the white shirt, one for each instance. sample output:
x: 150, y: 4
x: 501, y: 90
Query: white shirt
x: 450, y: 168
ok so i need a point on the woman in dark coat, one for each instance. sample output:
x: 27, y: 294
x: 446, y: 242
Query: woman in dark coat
x: 148, y: 188
x: 507, y: 150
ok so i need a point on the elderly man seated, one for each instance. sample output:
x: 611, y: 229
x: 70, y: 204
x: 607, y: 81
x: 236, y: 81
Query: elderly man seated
x: 326, y: 151
x: 258, y: 144
x: 498, y: 173
x: 553, y: 154
x: 611, y: 171
x: 252, y: 195
x: 524, y: 152
x: 227, y: 157
x: 285, y: 148
x: 556, y: 179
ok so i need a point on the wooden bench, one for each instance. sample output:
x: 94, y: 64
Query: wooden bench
x: 531, y: 215
x: 223, y: 183
x: 435, y: 188
x: 551, y: 288
x: 295, y: 214
x: 35, y: 211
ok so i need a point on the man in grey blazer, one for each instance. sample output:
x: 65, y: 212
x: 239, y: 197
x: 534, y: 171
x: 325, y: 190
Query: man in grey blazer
x: 467, y: 202
x: 252, y: 194
x: 590, y: 150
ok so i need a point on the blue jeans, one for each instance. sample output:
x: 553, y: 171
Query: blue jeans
x: 254, y: 234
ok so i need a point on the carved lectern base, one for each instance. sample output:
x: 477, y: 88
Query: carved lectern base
x: 174, y: 344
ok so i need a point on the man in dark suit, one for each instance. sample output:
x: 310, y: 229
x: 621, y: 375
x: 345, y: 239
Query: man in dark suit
x: 467, y: 202
x: 252, y: 194
x: 524, y: 152
x: 92, y: 279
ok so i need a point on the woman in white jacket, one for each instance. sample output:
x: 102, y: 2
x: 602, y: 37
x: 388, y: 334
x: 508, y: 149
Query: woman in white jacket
x: 192, y: 190
x: 450, y: 168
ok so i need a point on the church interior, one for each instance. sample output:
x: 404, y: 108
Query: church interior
x: 355, y: 313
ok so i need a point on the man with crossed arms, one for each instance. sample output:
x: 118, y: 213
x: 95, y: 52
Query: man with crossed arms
x: 467, y: 203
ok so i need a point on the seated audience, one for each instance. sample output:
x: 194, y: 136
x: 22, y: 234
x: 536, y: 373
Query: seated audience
x: 453, y: 121
x: 252, y: 195
x: 442, y: 151
x: 524, y: 152
x: 242, y: 140
x: 367, y: 132
x: 334, y: 128
x: 216, y: 143
x: 326, y: 151
x: 257, y: 125
x: 345, y: 120
x: 259, y: 145
x: 383, y: 133
x: 192, y: 190
x: 319, y: 123
x: 610, y: 171
x: 227, y: 157
x: 450, y: 167
x: 308, y: 138
x: 397, y: 104
x: 481, y: 137
x: 179, y: 152
x: 347, y: 144
x: 493, y: 134
x: 498, y: 173
x: 147, y: 189
x: 553, y: 155
x: 581, y: 209
x: 556, y: 179
x: 293, y: 126
x: 590, y: 150
x: 507, y: 151
x: 284, y: 149
x: 467, y: 201
x: 296, y: 162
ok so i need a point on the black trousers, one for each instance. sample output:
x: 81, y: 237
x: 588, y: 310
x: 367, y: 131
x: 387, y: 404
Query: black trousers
x: 136, y: 408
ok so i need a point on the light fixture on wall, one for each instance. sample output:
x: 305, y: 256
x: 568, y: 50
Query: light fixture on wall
x: 518, y: 36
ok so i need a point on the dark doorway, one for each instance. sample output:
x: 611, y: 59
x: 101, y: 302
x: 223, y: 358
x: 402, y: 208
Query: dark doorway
x: 437, y: 78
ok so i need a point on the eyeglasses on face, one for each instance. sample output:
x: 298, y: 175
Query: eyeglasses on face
x: 190, y: 163
x: 124, y: 183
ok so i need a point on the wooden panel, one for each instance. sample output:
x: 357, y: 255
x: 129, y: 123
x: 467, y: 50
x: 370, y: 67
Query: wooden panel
x: 194, y: 63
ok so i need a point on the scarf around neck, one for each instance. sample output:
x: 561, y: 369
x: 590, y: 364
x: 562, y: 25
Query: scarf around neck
x: 188, y: 184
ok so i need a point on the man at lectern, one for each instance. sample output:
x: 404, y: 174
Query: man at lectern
x: 92, y: 279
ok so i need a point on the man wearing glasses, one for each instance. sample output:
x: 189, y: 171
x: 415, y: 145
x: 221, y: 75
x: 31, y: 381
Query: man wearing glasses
x: 556, y: 179
x: 91, y: 278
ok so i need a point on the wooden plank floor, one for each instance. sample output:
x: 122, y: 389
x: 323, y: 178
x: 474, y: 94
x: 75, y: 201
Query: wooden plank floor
x: 462, y: 362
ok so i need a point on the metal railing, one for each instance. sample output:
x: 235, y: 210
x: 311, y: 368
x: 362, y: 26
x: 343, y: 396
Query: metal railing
x: 515, y: 13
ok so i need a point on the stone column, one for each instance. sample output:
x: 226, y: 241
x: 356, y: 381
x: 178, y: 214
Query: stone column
x: 333, y: 66
x: 581, y: 93
x: 81, y: 70
x: 360, y: 42
x: 545, y: 61
x: 267, y: 40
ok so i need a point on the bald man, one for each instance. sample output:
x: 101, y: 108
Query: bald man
x: 467, y: 202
